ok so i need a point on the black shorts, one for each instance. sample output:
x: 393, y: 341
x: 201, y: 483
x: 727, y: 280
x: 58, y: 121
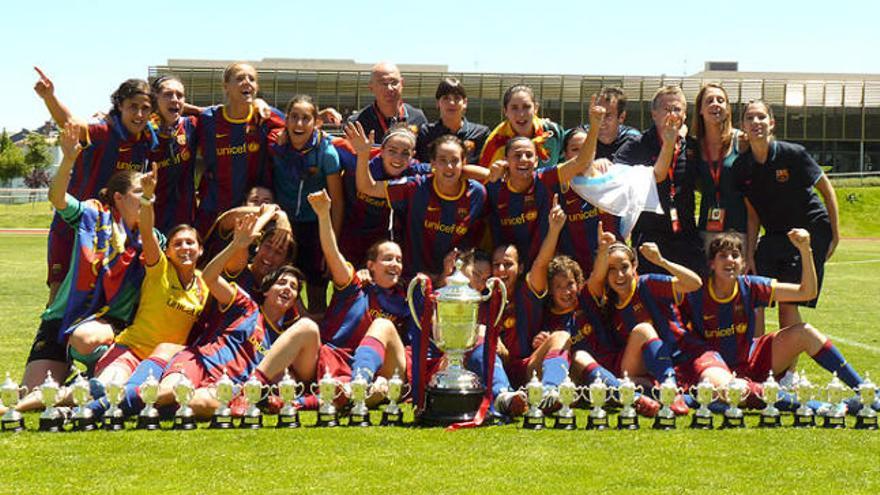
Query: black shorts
x: 309, y: 256
x: 46, y: 345
x: 683, y: 249
x: 777, y: 258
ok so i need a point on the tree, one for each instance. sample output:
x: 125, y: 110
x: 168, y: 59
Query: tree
x: 38, y: 156
x: 12, y: 160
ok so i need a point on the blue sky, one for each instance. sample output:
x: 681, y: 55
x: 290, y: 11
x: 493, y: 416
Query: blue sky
x: 88, y: 47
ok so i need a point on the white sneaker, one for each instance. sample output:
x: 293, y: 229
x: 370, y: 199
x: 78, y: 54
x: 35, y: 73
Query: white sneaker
x: 511, y: 403
x: 786, y: 381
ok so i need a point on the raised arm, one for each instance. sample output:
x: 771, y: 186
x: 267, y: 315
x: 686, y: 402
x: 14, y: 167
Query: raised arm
x: 596, y: 282
x: 669, y: 133
x: 146, y: 221
x: 45, y: 89
x: 245, y: 234
x: 584, y: 159
x: 684, y: 279
x: 827, y: 191
x: 362, y: 143
x: 809, y: 286
x: 340, y: 270
x: 70, y: 148
x: 537, y: 276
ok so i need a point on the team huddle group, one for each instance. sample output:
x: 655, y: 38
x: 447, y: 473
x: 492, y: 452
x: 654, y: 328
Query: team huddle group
x: 196, y: 243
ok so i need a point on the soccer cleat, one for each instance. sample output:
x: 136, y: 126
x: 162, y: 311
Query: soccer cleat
x: 646, y: 406
x: 378, y: 390
x: 551, y: 403
x: 343, y: 395
x: 96, y: 388
x: 511, y: 403
x: 786, y: 382
x: 679, y: 406
x: 273, y: 404
x: 238, y: 405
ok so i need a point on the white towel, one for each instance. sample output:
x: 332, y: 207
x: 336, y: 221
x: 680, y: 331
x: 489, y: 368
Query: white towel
x: 624, y: 191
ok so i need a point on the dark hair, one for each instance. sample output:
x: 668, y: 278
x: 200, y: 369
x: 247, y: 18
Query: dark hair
x: 121, y: 182
x: 268, y: 232
x: 182, y: 227
x: 373, y: 250
x: 446, y: 139
x: 764, y: 104
x: 503, y: 247
x: 474, y: 255
x: 566, y: 265
x: 156, y: 84
x: 516, y: 88
x: 611, y: 300
x: 614, y: 93
x: 273, y: 276
x: 514, y: 140
x: 569, y: 135
x: 129, y: 89
x: 728, y: 241
x: 302, y: 99
x: 450, y: 86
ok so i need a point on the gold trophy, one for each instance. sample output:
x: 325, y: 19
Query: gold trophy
x: 866, y: 419
x: 83, y: 417
x: 392, y: 415
x: 598, y: 393
x: 148, y: 418
x: 836, y: 392
x: 736, y: 391
x: 770, y: 417
x: 51, y: 419
x: 9, y: 394
x: 804, y: 390
x: 114, y: 418
x: 628, y: 419
x: 254, y: 392
x: 289, y: 390
x: 704, y: 393
x: 568, y: 395
x: 666, y: 393
x: 184, y: 419
x: 327, y: 391
x: 534, y: 418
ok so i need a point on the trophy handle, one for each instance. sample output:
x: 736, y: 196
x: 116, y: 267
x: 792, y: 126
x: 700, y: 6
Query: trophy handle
x: 313, y: 389
x: 299, y: 389
x: 405, y: 389
x: 490, y: 284
x: 417, y: 280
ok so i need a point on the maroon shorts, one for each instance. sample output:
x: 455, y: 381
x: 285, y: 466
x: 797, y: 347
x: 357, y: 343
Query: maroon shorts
x: 59, y: 250
x: 189, y: 364
x: 118, y: 355
x: 517, y: 371
x: 760, y: 359
x: 335, y: 360
x: 688, y: 372
x: 434, y: 365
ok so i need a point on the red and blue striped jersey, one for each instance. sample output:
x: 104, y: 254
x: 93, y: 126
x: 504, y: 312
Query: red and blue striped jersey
x: 579, y: 239
x: 585, y: 325
x: 522, y: 320
x: 294, y: 174
x: 234, y: 154
x: 728, y: 325
x: 520, y: 218
x: 353, y: 309
x: 433, y: 223
x: 176, y: 184
x: 241, y: 340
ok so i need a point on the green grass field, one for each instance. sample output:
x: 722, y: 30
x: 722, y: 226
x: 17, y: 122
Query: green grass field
x: 500, y: 459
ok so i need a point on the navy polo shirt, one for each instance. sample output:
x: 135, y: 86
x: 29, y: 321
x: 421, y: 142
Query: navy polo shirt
x: 371, y: 120
x: 781, y: 190
x: 472, y: 135
x: 643, y: 150
x: 625, y: 134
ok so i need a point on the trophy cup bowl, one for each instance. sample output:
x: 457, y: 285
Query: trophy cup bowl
x: 453, y: 394
x: 148, y: 418
x: 114, y: 418
x: 836, y: 392
x: 225, y: 391
x: 598, y: 393
x: 289, y: 390
x: 704, y: 393
x: 866, y: 419
x: 534, y: 418
x: 804, y: 390
x: 568, y: 395
x: 665, y: 393
x: 83, y: 417
x: 360, y: 414
x: 626, y: 391
x: 327, y: 391
x: 736, y: 391
x: 770, y: 417
x: 254, y: 392
x: 51, y: 419
x: 9, y: 394
x: 392, y: 415
x: 184, y: 419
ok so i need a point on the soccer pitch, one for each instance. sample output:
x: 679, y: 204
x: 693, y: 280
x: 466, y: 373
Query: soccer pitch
x: 499, y: 459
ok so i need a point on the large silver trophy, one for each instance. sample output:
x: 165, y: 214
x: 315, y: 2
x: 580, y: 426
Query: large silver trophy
x: 392, y: 415
x: 628, y: 419
x: 226, y: 390
x: 51, y: 419
x: 598, y: 394
x: 9, y: 394
x: 567, y: 395
x: 804, y: 390
x: 704, y: 393
x: 454, y: 394
x: 83, y: 417
x: 289, y: 390
x: 736, y: 391
x: 836, y: 391
x: 114, y: 418
x: 866, y: 419
x: 770, y: 417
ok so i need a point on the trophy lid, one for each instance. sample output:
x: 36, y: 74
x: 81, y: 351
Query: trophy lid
x: 867, y: 383
x: 359, y: 379
x: 286, y: 379
x: 770, y: 378
x: 327, y: 378
x: 567, y: 383
x: 80, y: 382
x: 458, y: 289
x: 395, y: 378
x: 8, y: 384
x: 835, y: 384
x: 598, y: 384
x: 49, y: 382
x: 705, y: 383
x: 151, y: 380
x: 625, y: 382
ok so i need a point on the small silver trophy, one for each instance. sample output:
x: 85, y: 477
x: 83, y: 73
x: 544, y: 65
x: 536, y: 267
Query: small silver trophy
x: 392, y: 415
x: 83, y: 417
x: 289, y: 390
x: 225, y: 390
x: 866, y: 419
x: 9, y: 394
x: 148, y: 418
x: 254, y: 392
x: 360, y: 414
x: 836, y: 391
x: 804, y: 391
x: 704, y: 393
x: 770, y: 417
x: 598, y: 393
x: 568, y: 394
x: 736, y: 391
x: 51, y: 419
x: 665, y: 393
x: 184, y: 419
x: 534, y: 418
x: 327, y: 390
x: 626, y: 391
x: 114, y: 418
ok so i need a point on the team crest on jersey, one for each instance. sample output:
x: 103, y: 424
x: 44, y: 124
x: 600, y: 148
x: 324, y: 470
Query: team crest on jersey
x: 509, y: 322
x: 531, y: 215
x: 184, y: 155
x: 782, y: 175
x: 585, y: 330
x: 469, y: 146
x: 462, y: 212
x: 181, y: 139
x: 461, y: 229
x: 253, y: 147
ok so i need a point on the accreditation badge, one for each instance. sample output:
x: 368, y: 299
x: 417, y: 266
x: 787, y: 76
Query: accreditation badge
x: 673, y: 217
x: 715, y: 222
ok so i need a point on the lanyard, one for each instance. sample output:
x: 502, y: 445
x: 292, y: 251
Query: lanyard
x: 401, y: 117
x: 715, y: 167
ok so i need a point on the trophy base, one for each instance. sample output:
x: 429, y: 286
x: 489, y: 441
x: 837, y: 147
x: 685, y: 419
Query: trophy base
x: 664, y: 423
x: 114, y: 423
x: 359, y: 420
x: 627, y: 422
x: 184, y: 423
x: 804, y: 421
x: 13, y: 425
x: 288, y: 421
x: 221, y: 423
x: 251, y: 422
x: 565, y: 423
x: 391, y: 418
x: 731, y: 422
x: 702, y: 422
x: 597, y: 423
x: 446, y: 406
x: 533, y: 422
x: 52, y: 425
x: 327, y: 420
x: 866, y: 423
x: 770, y: 421
x: 834, y: 422
x: 84, y: 424
x: 149, y: 423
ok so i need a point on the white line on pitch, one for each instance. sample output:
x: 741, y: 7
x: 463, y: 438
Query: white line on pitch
x: 859, y: 262
x: 854, y: 343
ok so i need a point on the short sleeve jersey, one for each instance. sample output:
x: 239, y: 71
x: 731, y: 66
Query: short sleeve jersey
x: 472, y: 135
x: 522, y: 320
x: 588, y: 332
x: 175, y: 156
